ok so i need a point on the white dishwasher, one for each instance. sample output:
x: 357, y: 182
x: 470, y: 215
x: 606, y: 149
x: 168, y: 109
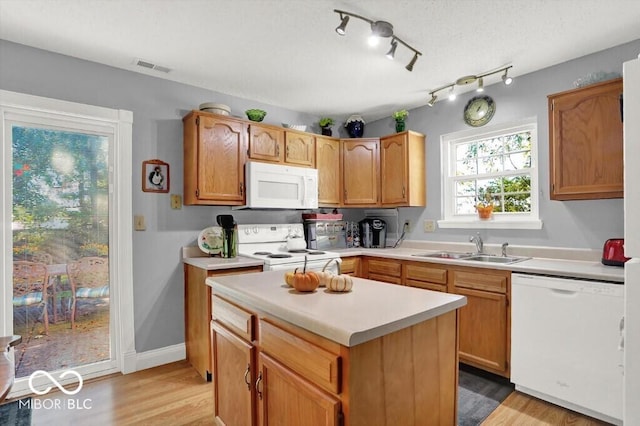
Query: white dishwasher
x: 566, y: 343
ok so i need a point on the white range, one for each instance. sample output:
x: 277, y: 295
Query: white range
x: 268, y: 242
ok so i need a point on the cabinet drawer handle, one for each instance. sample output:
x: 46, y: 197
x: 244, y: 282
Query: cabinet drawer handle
x: 246, y: 373
x: 258, y: 380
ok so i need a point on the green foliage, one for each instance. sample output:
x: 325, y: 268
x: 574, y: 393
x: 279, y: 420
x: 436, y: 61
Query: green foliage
x: 400, y: 115
x: 60, y: 181
x: 326, y: 122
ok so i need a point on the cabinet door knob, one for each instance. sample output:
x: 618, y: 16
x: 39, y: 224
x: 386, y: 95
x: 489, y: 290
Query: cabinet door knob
x: 246, y: 374
x: 258, y: 380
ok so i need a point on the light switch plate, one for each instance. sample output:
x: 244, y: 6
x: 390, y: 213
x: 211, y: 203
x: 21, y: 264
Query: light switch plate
x: 176, y: 201
x: 139, y: 223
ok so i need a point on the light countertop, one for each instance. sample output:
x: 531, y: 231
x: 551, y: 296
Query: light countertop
x: 536, y: 265
x: 587, y: 269
x: 371, y: 310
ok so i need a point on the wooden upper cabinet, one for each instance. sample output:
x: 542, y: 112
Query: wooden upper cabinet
x: 585, y: 142
x: 266, y: 143
x: 329, y: 171
x: 360, y: 160
x: 214, y: 157
x: 299, y: 149
x: 402, y: 170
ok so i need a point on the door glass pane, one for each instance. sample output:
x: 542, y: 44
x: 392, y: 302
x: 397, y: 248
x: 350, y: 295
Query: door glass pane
x: 60, y: 230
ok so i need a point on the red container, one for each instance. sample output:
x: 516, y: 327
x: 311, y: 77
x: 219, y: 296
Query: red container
x: 613, y: 252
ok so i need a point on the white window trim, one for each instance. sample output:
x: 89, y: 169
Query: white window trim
x: 13, y: 104
x: 528, y: 221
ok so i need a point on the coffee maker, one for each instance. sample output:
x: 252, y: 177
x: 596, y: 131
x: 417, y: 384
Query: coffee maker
x: 373, y: 233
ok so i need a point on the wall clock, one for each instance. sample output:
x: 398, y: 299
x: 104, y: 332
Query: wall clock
x: 479, y: 111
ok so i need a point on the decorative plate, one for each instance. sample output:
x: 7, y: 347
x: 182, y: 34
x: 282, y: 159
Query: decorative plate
x: 210, y: 240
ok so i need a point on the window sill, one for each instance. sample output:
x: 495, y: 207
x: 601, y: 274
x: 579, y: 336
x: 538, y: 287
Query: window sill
x: 490, y: 224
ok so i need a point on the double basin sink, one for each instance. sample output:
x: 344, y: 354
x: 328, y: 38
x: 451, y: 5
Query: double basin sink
x: 471, y: 257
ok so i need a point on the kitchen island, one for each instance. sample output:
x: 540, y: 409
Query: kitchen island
x: 378, y: 355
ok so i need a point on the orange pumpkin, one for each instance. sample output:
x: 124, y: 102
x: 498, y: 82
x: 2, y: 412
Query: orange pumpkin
x: 306, y: 280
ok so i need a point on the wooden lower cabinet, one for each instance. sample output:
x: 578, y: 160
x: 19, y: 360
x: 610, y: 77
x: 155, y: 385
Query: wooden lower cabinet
x: 287, y: 399
x: 385, y: 270
x: 407, y: 377
x: 198, y: 313
x: 350, y: 266
x: 233, y: 385
x: 484, y: 323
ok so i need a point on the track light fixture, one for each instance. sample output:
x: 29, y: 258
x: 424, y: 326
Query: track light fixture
x: 392, y: 52
x: 468, y: 79
x: 379, y: 29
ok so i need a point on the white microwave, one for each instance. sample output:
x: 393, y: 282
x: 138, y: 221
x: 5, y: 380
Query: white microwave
x: 276, y: 186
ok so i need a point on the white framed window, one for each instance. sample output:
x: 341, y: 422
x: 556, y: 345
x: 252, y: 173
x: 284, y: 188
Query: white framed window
x: 493, y: 166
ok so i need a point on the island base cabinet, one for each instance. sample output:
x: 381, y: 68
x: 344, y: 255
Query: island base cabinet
x: 287, y: 399
x: 408, y: 377
x: 234, y: 375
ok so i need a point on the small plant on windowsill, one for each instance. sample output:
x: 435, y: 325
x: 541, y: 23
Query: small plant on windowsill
x: 400, y: 117
x: 484, y: 207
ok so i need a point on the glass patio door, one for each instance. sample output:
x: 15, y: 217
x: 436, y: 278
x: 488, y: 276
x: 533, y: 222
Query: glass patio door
x: 60, y: 218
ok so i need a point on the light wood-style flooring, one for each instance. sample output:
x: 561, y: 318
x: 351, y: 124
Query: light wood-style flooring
x: 174, y: 394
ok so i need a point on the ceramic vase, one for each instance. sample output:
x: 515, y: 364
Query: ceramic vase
x: 400, y: 126
x: 355, y: 126
x: 326, y: 131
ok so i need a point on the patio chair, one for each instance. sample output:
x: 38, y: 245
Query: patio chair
x: 89, y: 278
x: 30, y: 281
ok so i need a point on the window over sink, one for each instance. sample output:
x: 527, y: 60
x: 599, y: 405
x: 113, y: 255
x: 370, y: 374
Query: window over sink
x: 493, y: 166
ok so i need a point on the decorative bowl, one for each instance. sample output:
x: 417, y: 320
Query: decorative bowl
x: 255, y: 114
x: 300, y: 127
x: 221, y: 109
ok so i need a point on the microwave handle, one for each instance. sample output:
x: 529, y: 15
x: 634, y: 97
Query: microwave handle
x: 304, y: 191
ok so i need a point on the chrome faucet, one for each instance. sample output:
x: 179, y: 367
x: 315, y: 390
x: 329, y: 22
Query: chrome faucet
x: 479, y: 243
x: 504, y: 249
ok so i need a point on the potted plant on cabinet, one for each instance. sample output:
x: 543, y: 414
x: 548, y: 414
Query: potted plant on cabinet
x: 325, y: 125
x: 400, y: 117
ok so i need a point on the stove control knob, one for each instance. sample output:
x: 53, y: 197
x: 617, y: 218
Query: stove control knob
x: 255, y: 229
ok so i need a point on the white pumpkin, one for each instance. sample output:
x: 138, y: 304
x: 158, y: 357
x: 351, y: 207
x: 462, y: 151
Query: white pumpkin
x: 326, y: 275
x: 341, y: 283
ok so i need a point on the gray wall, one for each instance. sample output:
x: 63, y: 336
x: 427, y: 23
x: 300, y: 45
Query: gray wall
x: 576, y: 224
x: 159, y: 105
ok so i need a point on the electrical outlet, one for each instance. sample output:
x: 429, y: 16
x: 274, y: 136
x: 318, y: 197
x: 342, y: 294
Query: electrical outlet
x: 429, y: 225
x: 407, y: 225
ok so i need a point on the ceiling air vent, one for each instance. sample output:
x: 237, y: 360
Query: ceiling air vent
x: 149, y: 65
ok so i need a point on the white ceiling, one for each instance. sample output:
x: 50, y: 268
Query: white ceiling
x: 286, y: 52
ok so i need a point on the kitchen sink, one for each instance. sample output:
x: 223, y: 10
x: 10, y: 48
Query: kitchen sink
x: 445, y: 255
x: 495, y: 259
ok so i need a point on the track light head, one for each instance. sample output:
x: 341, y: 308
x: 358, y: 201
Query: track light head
x: 433, y: 100
x: 410, y: 65
x: 480, y: 85
x: 341, y: 29
x: 505, y: 78
x: 392, y: 52
x: 452, y: 94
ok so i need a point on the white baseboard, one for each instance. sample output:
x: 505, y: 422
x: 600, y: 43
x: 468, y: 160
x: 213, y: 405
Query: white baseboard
x: 161, y: 356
